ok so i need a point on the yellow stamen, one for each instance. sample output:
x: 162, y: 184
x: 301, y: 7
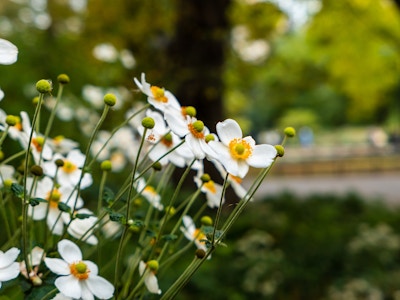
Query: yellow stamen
x: 53, y: 197
x: 79, y: 270
x: 199, y: 235
x: 194, y: 130
x: 69, y: 167
x: 209, y: 185
x: 240, y: 149
x: 158, y: 94
x: 167, y: 140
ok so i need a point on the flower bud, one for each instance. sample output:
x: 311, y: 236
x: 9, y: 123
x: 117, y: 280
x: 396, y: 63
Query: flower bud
x: 63, y: 78
x: 157, y: 166
x: 44, y: 86
x: 153, y: 265
x: 11, y: 120
x: 37, y: 170
x: 35, y: 100
x: 205, y: 178
x: 280, y: 150
x: 106, y: 166
x: 170, y: 210
x: 189, y: 111
x: 200, y: 253
x: 59, y: 162
x: 290, y: 132
x: 110, y: 99
x: 148, y: 123
x: 206, y: 220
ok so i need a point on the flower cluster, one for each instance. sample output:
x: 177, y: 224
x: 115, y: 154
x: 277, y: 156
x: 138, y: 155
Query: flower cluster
x: 55, y: 182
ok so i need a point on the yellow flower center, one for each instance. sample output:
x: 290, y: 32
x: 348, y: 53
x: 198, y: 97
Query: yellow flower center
x: 167, y: 140
x: 199, y: 235
x: 196, y: 129
x: 69, y: 167
x: 53, y: 197
x: 38, y: 143
x: 150, y: 190
x: 240, y: 149
x: 209, y: 185
x: 79, y: 270
x: 158, y: 94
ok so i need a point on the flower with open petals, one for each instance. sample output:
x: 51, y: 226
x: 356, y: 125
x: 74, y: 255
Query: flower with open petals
x: 9, y: 269
x: 78, y: 278
x: 237, y: 153
x: 8, y: 52
x: 150, y: 279
x: 156, y: 96
x: 193, y: 234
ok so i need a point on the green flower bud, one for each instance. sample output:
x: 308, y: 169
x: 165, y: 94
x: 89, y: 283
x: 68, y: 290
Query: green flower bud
x: 63, y: 78
x: 205, y: 178
x: 290, y: 132
x: 189, y: 111
x: 7, y: 183
x: 59, y: 162
x: 200, y: 253
x: 44, y: 86
x: 157, y: 166
x: 148, y: 123
x: 106, y: 166
x: 206, y: 220
x: 35, y: 100
x: 110, y: 99
x: 153, y: 265
x: 170, y: 210
x: 11, y: 120
x: 37, y: 170
x: 280, y: 150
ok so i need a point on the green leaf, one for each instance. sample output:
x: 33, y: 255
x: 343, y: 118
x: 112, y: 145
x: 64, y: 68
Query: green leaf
x: 18, y: 190
x: 83, y: 216
x: 169, y: 237
x: 108, y: 195
x: 36, y: 201
x: 117, y: 217
x: 64, y: 207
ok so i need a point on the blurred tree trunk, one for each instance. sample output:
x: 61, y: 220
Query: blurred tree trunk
x: 197, y: 54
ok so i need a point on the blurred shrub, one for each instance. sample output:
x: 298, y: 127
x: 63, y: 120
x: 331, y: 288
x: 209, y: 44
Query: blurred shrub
x: 322, y: 247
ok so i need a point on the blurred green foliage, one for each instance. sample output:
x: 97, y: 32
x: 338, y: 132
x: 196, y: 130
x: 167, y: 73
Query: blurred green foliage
x: 320, y: 247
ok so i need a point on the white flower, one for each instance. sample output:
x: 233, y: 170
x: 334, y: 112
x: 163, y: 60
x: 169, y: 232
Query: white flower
x: 82, y: 227
x: 70, y: 172
x: 150, y: 279
x: 156, y: 96
x: 6, y: 173
x: 105, y: 52
x: 78, y: 278
x: 212, y: 190
x: 9, y: 269
x: 45, y: 190
x: 236, y: 153
x: 8, y: 52
x: 192, y: 233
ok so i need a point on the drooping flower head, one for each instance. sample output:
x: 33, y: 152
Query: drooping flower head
x: 78, y: 278
x: 150, y: 279
x: 237, y: 153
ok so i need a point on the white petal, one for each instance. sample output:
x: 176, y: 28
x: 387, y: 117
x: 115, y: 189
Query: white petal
x: 94, y: 270
x: 228, y: 130
x: 100, y: 287
x: 152, y: 284
x: 1, y: 94
x: 9, y: 272
x: 195, y: 146
x: 262, y: 156
x: 243, y: 168
x: 69, y: 286
x: 69, y: 251
x: 8, y: 52
x: 57, y: 266
x: 86, y: 292
x: 8, y: 257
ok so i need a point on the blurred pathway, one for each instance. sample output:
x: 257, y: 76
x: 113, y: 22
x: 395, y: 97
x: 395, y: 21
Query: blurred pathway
x: 372, y: 186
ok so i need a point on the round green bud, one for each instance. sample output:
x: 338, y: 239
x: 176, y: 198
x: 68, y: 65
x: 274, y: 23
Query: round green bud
x: 134, y: 228
x: 290, y: 131
x: 148, y: 123
x: 209, y: 137
x: 200, y: 253
x: 206, y: 220
x: 63, y: 78
x: 59, y: 162
x: 157, y: 166
x: 1, y: 155
x: 205, y: 178
x: 106, y: 165
x: 110, y: 99
x: 8, y: 182
x: 190, y: 111
x: 153, y: 265
x: 35, y: 100
x: 198, y: 125
x: 11, y: 120
x: 280, y: 150
x: 137, y: 202
x: 170, y: 210
x: 44, y: 86
x: 37, y: 170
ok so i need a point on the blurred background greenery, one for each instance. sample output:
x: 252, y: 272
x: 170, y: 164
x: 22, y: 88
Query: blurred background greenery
x: 329, y: 68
